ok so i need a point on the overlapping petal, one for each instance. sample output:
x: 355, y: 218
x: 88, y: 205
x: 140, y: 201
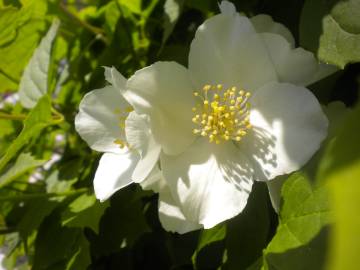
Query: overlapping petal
x: 139, y: 137
x: 99, y: 117
x: 265, y: 24
x: 164, y: 92
x: 113, y: 173
x: 211, y: 183
x: 288, y: 128
x: 227, y: 50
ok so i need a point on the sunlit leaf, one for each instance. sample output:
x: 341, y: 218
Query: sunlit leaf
x: 340, y: 169
x: 36, y: 121
x: 34, y: 82
x: 23, y: 164
x: 304, y: 213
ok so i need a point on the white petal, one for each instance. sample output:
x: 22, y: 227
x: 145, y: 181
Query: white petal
x: 171, y: 217
x: 227, y: 8
x: 115, y: 78
x: 227, y: 50
x: 98, y: 119
x: 274, y: 187
x: 295, y: 66
x: 288, y: 128
x: 140, y: 138
x: 170, y: 214
x: 113, y: 173
x: 211, y: 183
x: 164, y: 92
x: 265, y: 24
x: 154, y: 181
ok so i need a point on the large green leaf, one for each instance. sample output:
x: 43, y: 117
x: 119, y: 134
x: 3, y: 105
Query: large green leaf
x: 332, y: 30
x: 36, y: 121
x: 305, y: 212
x: 34, y: 81
x: 340, y: 41
x: 85, y: 211
x: 29, y: 25
x: 23, y: 164
x: 10, y: 19
x: 340, y: 169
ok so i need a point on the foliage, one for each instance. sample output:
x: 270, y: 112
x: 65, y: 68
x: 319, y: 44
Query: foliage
x: 49, y: 216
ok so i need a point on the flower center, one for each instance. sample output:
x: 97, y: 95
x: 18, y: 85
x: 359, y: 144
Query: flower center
x: 221, y: 114
x: 122, y: 115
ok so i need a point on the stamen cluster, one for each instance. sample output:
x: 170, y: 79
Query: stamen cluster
x: 122, y: 115
x: 222, y: 114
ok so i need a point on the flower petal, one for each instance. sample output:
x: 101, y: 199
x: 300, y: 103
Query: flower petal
x: 211, y: 183
x: 274, y: 187
x: 288, y: 128
x: 296, y: 66
x: 139, y: 137
x: 164, y: 92
x: 171, y: 217
x: 265, y: 24
x: 113, y: 173
x: 227, y: 50
x: 170, y: 214
x: 97, y: 122
x: 115, y: 78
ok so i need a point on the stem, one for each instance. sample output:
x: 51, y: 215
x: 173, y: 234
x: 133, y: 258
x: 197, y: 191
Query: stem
x: 93, y: 29
x: 7, y: 116
x: 25, y: 197
x: 57, y: 117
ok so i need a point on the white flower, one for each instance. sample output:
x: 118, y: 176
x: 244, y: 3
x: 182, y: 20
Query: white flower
x: 102, y: 119
x: 239, y: 113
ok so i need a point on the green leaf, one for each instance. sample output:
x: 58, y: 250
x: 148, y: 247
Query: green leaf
x: 85, y: 211
x: 35, y: 122
x: 172, y: 11
x: 34, y: 81
x: 340, y: 169
x: 15, y: 55
x: 10, y: 19
x: 340, y: 42
x: 133, y: 5
x: 57, y: 247
x: 81, y: 258
x: 36, y: 211
x: 23, y: 164
x: 209, y: 238
x: 305, y: 212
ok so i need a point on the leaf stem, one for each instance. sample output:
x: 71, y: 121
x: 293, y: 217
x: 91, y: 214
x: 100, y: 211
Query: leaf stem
x: 19, y: 117
x: 57, y: 117
x: 95, y: 30
x: 25, y: 197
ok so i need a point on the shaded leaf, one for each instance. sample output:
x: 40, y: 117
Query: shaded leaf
x: 85, y: 211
